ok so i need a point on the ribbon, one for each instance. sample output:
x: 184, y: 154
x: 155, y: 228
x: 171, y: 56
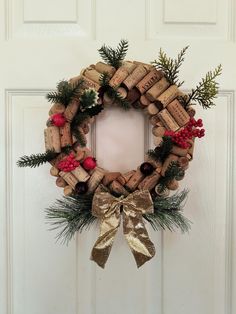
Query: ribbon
x: 109, y: 210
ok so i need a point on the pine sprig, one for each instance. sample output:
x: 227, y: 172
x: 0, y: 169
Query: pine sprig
x: 66, y: 92
x: 207, y: 89
x: 167, y: 213
x: 113, y: 56
x: 36, y: 160
x: 80, y: 137
x: 173, y: 172
x: 72, y: 214
x: 162, y: 151
x: 170, y: 66
x: 113, y: 93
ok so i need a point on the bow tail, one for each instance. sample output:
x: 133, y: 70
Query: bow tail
x: 103, y: 245
x: 138, y: 240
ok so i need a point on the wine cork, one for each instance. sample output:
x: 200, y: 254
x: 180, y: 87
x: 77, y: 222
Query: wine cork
x: 109, y: 177
x: 60, y: 182
x: 157, y: 140
x: 183, y: 162
x: 80, y: 174
x: 158, y: 131
x: 82, y: 134
x: 134, y: 181
x: 171, y: 158
x: 118, y: 189
x: 162, y: 192
x: 149, y: 182
x: 179, y: 151
x: 71, y: 110
x: 135, y: 76
x: 152, y: 109
x: 157, y: 89
x: 120, y: 75
x: 124, y: 177
x: 173, y: 185
x: 147, y: 66
x: 155, y: 163
x: 149, y: 80
x: 178, y: 112
x: 133, y: 95
x: 154, y: 119
x: 54, y: 172
x: 168, y: 120
x: 144, y: 101
x: 95, y: 179
x: 69, y: 178
x: 129, y: 66
x: 122, y: 91
x: 170, y: 94
x: 105, y: 68
x: 87, y: 83
x: 52, y: 139
x: 191, y: 112
x: 92, y: 74
x: 68, y: 190
x: 66, y: 139
x: 191, y: 149
x: 57, y: 108
x: 107, y: 100
x: 79, y: 154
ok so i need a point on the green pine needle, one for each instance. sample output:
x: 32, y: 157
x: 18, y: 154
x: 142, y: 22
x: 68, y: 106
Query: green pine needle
x: 170, y: 66
x: 113, y: 56
x: 206, y: 90
x: 88, y: 99
x: 72, y: 214
x: 80, y: 137
x: 162, y: 151
x: 173, y: 172
x: 36, y: 160
x: 66, y: 92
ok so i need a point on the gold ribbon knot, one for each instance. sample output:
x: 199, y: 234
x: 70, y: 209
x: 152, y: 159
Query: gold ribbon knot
x: 109, y: 210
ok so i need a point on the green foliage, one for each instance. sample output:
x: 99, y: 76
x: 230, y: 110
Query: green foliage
x: 66, y: 92
x: 170, y: 66
x: 167, y: 213
x: 80, y: 137
x: 113, y: 93
x: 174, y: 171
x: 162, y: 151
x: 72, y: 214
x: 36, y: 160
x: 207, y: 89
x: 88, y: 99
x: 113, y: 56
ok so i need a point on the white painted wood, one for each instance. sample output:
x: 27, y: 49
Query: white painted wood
x: 192, y: 273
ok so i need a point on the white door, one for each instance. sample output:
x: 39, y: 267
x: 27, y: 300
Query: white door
x: 42, y: 42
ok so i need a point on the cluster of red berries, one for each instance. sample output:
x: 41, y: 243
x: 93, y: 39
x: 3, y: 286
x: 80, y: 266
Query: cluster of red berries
x: 187, y: 133
x: 68, y: 164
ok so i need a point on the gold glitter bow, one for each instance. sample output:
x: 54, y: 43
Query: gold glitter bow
x: 109, y: 209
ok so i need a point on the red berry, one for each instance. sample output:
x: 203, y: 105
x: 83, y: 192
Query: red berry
x: 58, y: 119
x: 89, y: 163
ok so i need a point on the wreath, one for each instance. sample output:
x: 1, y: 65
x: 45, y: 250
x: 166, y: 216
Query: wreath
x: 92, y: 193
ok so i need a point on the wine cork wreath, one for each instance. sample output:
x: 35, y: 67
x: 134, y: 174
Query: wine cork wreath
x: 145, y: 88
x: 93, y: 192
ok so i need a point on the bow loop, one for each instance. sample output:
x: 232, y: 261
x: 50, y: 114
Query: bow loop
x: 108, y: 208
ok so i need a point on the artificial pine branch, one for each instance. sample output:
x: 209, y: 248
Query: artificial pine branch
x: 162, y: 151
x: 113, y: 93
x: 173, y: 172
x: 168, y: 219
x: 88, y: 99
x: 206, y: 90
x: 72, y: 214
x: 80, y: 137
x: 170, y: 66
x: 113, y: 56
x: 173, y: 202
x: 66, y: 92
x: 36, y: 160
